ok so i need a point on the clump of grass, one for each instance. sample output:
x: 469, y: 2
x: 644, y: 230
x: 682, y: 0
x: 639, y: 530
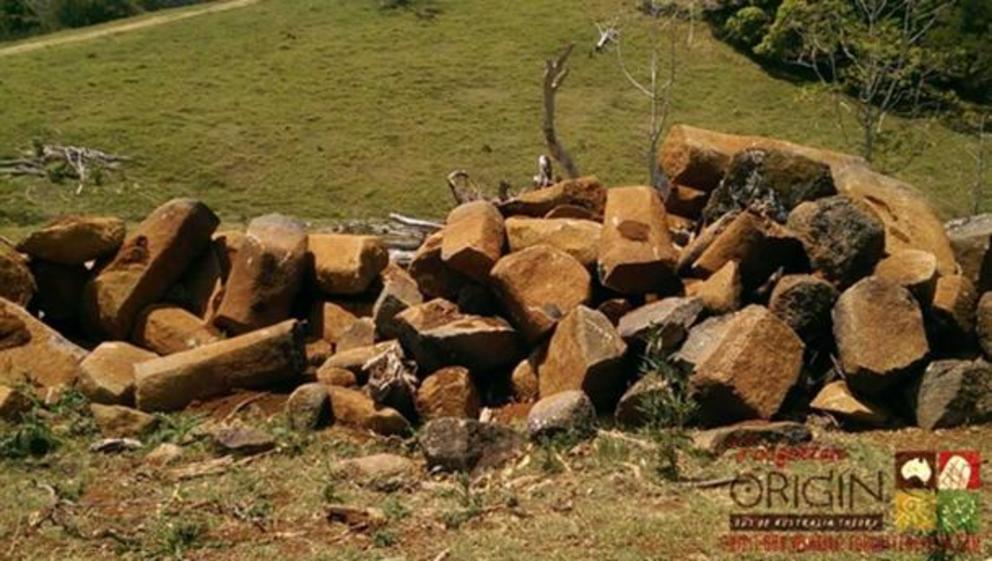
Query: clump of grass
x: 175, y: 538
x: 469, y: 504
x: 177, y: 428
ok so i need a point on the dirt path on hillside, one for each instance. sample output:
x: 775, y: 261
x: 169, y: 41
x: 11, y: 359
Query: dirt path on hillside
x: 122, y: 27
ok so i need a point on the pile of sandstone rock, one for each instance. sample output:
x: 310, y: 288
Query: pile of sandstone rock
x: 783, y: 279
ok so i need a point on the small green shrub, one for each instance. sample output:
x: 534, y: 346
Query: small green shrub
x: 747, y: 27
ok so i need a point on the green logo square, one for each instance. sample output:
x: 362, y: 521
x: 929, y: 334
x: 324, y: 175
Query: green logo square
x: 958, y: 511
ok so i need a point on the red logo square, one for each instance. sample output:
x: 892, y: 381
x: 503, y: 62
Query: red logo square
x: 959, y: 470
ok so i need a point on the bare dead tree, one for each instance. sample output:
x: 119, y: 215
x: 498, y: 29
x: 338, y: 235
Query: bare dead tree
x: 555, y: 73
x: 463, y: 189
x: 658, y: 89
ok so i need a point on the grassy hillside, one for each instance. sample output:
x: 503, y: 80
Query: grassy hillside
x: 333, y: 108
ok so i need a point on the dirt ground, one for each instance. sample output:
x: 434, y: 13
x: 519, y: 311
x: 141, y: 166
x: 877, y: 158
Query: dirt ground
x: 598, y: 499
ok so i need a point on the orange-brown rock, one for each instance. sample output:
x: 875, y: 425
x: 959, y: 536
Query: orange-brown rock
x: 118, y: 421
x: 721, y: 293
x: 16, y: 282
x: 168, y: 329
x: 449, y: 392
x: 668, y: 319
x: 361, y: 333
x: 636, y: 255
x: 538, y: 286
x: 804, y: 303
x: 354, y: 408
x: 13, y: 403
x: 752, y: 368
x: 330, y: 321
x: 880, y: 335
x: 912, y: 269
x: 74, y: 240
x: 153, y: 257
x: 686, y: 201
x: 266, y: 275
x: 584, y: 192
x: 523, y: 381
x: 433, y: 276
x: 585, y: 353
x: 757, y: 244
x: 30, y: 351
x: 333, y: 376
x: 574, y: 211
x: 439, y: 335
x: 107, y: 374
x: 203, y: 279
x: 836, y: 399
x: 226, y: 245
x: 472, y: 240
x: 254, y: 360
x: 578, y: 238
x: 356, y: 359
x: 399, y: 292
x: 347, y: 264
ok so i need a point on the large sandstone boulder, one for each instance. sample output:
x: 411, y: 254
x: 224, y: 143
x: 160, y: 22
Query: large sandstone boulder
x: 585, y: 353
x: 74, y: 240
x: 775, y: 181
x: 329, y: 321
x: 910, y: 221
x: 254, y: 360
x: 226, y: 246
x: 538, y: 286
x: 16, y: 281
x: 843, y: 239
x: 702, y: 341
x: 804, y: 303
x: 954, y: 393
x: 203, y: 280
x: 438, y: 335
x: 107, y: 374
x: 585, y: 193
x: 700, y: 158
x: 880, y: 334
x: 449, y: 392
x: 32, y: 351
x: 354, y: 408
x: 347, y: 264
x: 169, y: 329
x: 721, y: 293
x: 266, y: 275
x: 636, y: 254
x: 837, y: 399
x: 912, y: 269
x: 308, y: 407
x: 435, y: 278
x: 578, y: 238
x: 758, y: 244
x: 472, y: 240
x: 749, y: 372
x: 953, y: 308
x: 668, y: 318
x: 971, y: 240
x: 700, y: 243
x: 153, y: 257
x: 565, y: 412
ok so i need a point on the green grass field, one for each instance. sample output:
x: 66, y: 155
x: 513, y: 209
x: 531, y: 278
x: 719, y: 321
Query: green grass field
x: 328, y: 109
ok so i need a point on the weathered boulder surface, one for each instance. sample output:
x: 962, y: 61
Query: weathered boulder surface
x: 117, y: 421
x: 668, y: 318
x: 880, y: 334
x: 435, y: 278
x: 983, y: 323
x: 266, y: 275
x: 308, y: 407
x: 636, y: 254
x: 347, y: 264
x: 32, y: 351
x: 74, y: 240
x: 538, y: 286
x: 971, y: 240
x: 152, y: 258
x: 449, y: 392
x: 578, y: 238
x: 953, y: 308
x: 758, y: 244
x: 472, y: 239
x: 399, y: 292
x: 585, y: 353
x: 523, y: 380
x: 169, y: 329
x: 804, y: 303
x: 12, y: 403
x: 107, y: 374
x: 585, y: 193
x: 334, y: 376
x: 355, y: 359
x: 242, y: 440
x: 438, y: 335
x: 17, y: 284
x: 452, y: 444
x: 329, y: 321
x: 634, y: 407
x: 775, y: 181
x: 844, y: 240
x: 953, y: 393
x: 254, y: 360
x: 354, y: 408
x: 703, y: 339
x: 721, y: 293
x: 912, y: 269
x: 749, y: 372
x: 837, y: 399
x: 565, y: 412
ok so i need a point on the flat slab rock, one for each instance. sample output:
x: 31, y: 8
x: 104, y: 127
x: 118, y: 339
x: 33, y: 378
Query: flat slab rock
x: 751, y: 434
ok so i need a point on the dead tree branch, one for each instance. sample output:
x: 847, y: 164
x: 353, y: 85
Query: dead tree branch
x: 555, y: 73
x: 463, y: 189
x: 54, y: 160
